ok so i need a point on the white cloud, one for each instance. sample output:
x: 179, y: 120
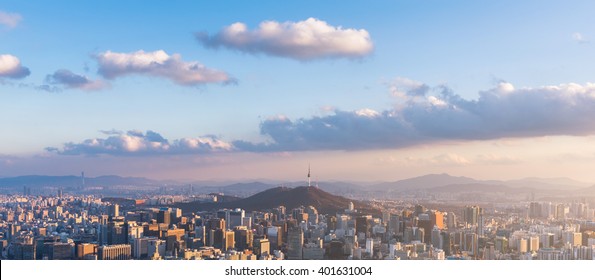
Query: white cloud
x: 11, y: 20
x: 10, y: 67
x: 133, y: 143
x: 158, y: 64
x: 304, y: 40
x: 71, y: 80
x: 366, y: 113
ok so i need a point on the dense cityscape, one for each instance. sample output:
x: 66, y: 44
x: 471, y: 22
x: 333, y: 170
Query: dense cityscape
x: 78, y: 225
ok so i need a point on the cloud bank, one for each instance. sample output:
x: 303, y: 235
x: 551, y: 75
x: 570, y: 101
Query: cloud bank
x: 138, y: 143
x: 437, y: 116
x: 158, y: 64
x: 304, y: 40
x: 10, y: 67
x: 10, y: 20
x: 74, y: 81
x: 501, y: 112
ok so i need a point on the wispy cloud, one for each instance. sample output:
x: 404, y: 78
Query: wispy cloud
x: 500, y: 112
x: 10, y: 20
x: 579, y: 38
x: 304, y: 40
x: 11, y: 67
x: 493, y: 159
x: 71, y: 80
x: 158, y: 64
x: 449, y: 159
x: 137, y: 143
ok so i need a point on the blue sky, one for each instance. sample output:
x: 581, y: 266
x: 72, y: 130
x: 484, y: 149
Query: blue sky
x: 412, y: 86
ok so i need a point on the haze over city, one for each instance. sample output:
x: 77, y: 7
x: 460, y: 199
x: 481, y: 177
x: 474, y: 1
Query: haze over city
x: 361, y: 91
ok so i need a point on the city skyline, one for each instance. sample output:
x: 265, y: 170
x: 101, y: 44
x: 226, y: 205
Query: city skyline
x: 235, y: 91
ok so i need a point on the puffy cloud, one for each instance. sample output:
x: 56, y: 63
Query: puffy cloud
x: 158, y: 64
x: 501, y: 112
x: 138, y: 143
x: 304, y: 40
x: 71, y: 80
x: 10, y: 67
x: 11, y: 20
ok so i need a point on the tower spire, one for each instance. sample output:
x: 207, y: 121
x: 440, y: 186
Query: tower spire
x: 309, y: 183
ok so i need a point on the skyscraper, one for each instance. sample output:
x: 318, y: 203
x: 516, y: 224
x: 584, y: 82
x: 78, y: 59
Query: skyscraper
x: 83, y: 181
x: 164, y: 216
x: 295, y: 242
x: 114, y: 210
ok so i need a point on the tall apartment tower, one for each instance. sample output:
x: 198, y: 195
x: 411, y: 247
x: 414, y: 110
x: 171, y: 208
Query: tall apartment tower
x: 83, y: 181
x: 295, y: 242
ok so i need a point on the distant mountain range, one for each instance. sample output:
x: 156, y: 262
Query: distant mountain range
x: 431, y: 182
x: 324, y: 202
x: 442, y: 182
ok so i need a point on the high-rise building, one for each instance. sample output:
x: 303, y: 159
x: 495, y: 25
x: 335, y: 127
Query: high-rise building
x: 535, y: 210
x: 370, y: 246
x: 501, y: 244
x: 471, y: 244
x: 523, y: 245
x: 275, y: 236
x: 534, y: 243
x: 447, y: 242
x: 243, y: 238
x: 471, y: 215
x: 83, y: 180
x: 451, y: 220
x: 295, y: 242
x: 164, y: 216
x: 437, y: 219
x: 394, y: 224
x: 547, y: 240
x: 229, y: 240
x: 262, y: 247
x: 236, y: 218
x: 216, y: 223
x: 312, y: 215
x: 114, y: 210
x: 141, y: 247
x: 419, y: 234
x: 217, y: 238
x: 437, y: 240
x: 362, y: 225
x: 560, y: 213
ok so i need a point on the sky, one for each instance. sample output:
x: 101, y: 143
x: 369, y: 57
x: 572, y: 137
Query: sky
x: 240, y: 90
